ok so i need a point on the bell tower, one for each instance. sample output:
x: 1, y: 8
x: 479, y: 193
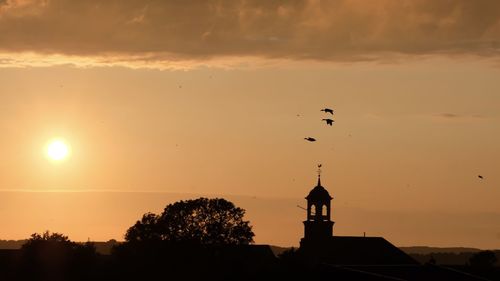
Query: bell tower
x: 318, y: 226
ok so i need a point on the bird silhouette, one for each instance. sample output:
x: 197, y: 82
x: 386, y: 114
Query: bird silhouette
x: 479, y: 176
x: 328, y: 121
x: 310, y: 139
x: 328, y: 110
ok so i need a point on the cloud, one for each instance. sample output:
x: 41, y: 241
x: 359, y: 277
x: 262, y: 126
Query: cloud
x: 447, y: 115
x: 453, y: 116
x: 205, y: 30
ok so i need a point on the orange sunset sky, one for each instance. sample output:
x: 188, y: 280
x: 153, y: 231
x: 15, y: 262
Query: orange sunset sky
x: 166, y: 100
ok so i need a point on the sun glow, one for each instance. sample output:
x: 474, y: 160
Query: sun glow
x: 57, y: 150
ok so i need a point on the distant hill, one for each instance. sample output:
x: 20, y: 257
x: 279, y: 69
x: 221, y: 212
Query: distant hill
x: 11, y: 244
x: 422, y: 254
x: 444, y: 256
x: 105, y: 247
x: 424, y: 250
x: 277, y: 250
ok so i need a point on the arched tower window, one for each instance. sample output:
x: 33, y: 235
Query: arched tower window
x: 323, y: 212
x: 313, y: 210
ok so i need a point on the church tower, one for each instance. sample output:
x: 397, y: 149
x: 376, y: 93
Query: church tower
x: 319, y: 245
x: 318, y: 226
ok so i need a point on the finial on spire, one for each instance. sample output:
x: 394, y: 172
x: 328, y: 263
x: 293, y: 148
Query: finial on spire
x: 319, y: 174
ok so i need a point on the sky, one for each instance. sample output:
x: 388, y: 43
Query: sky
x: 167, y: 100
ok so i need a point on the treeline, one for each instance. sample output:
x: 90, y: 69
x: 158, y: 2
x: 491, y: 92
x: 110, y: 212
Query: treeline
x: 101, y: 247
x: 190, y: 240
x: 52, y: 256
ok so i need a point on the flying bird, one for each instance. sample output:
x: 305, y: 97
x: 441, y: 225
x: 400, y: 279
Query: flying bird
x: 328, y: 110
x: 310, y: 139
x: 479, y: 176
x: 328, y: 121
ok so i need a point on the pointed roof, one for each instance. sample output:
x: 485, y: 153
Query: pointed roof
x: 319, y: 193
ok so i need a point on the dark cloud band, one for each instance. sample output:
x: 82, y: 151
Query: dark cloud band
x: 344, y: 30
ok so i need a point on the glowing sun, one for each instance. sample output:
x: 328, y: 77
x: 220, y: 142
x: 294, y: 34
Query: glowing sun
x: 57, y: 150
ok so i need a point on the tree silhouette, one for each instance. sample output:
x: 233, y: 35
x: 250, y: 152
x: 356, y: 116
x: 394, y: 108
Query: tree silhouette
x: 146, y: 229
x: 201, y: 221
x: 483, y: 259
x: 55, y: 243
x: 52, y: 255
x: 46, y: 237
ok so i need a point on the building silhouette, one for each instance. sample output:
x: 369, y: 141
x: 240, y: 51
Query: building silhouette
x: 358, y: 257
x: 320, y: 245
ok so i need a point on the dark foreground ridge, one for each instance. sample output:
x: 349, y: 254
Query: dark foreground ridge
x: 167, y: 261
